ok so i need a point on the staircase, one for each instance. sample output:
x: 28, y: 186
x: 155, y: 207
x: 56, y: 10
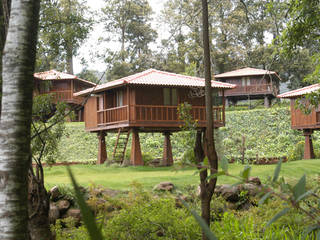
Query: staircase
x: 120, y: 146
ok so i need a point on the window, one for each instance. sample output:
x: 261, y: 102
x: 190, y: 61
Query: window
x: 245, y: 81
x: 170, y: 97
x: 216, y: 98
x: 119, y: 98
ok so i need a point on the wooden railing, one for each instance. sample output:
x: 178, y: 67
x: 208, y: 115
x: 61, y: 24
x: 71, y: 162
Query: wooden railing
x: 112, y: 115
x: 65, y: 96
x: 152, y: 113
x: 253, y: 89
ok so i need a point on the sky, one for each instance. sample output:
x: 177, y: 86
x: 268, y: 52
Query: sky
x: 91, y: 46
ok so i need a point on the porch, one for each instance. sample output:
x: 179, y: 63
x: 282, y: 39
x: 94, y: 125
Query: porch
x: 154, y: 116
x: 252, y: 90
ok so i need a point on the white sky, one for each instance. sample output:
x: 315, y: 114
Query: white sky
x: 91, y: 46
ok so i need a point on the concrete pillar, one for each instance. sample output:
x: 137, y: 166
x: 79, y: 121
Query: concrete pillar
x: 102, y: 151
x: 308, y: 146
x: 136, y: 156
x: 167, y: 159
x: 266, y: 102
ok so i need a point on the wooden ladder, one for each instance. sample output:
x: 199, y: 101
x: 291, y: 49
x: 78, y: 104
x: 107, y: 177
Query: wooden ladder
x: 120, y: 146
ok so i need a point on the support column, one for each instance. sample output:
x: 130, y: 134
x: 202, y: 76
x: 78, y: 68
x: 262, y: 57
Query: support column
x: 167, y: 159
x: 266, y: 102
x: 102, y: 151
x: 136, y: 156
x: 308, y: 146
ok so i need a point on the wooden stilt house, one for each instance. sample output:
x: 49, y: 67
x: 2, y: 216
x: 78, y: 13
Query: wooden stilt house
x: 301, y: 120
x: 147, y: 102
x: 252, y: 83
x: 62, y: 86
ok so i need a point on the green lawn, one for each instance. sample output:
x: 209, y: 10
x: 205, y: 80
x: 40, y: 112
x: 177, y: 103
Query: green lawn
x: 120, y: 178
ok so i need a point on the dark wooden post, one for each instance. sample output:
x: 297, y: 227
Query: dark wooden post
x: 102, y: 151
x: 167, y: 159
x: 136, y: 156
x: 308, y: 147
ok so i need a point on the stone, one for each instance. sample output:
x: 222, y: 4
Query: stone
x: 230, y: 193
x: 74, y: 213
x: 164, y: 186
x: 54, y: 213
x: 55, y: 193
x: 63, y: 205
x: 252, y: 189
x: 255, y: 180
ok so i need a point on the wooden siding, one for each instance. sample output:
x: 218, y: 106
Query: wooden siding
x: 90, y: 113
x: 300, y: 120
x: 258, y: 85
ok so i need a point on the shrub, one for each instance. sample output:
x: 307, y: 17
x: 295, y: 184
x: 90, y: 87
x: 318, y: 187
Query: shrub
x: 297, y: 152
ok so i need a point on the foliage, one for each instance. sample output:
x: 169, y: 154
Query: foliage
x: 44, y: 147
x: 64, y: 25
x: 130, y: 22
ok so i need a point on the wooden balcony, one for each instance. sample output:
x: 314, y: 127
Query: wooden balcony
x: 154, y: 116
x: 252, y: 90
x: 65, y: 96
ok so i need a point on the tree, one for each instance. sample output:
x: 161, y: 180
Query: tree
x: 206, y: 186
x: 64, y: 25
x: 129, y: 22
x: 302, y: 31
x: 4, y: 23
x: 15, y: 156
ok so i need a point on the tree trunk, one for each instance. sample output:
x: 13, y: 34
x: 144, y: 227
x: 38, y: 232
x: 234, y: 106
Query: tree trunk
x: 4, y: 23
x: 39, y: 204
x: 18, y: 67
x: 69, y: 59
x: 207, y: 187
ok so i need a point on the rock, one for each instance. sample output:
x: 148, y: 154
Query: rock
x: 75, y: 214
x: 164, y: 186
x: 54, y: 213
x: 230, y: 193
x: 255, y: 180
x: 55, y: 193
x: 218, y: 190
x: 110, y: 192
x: 63, y: 206
x: 179, y: 200
x: 252, y: 189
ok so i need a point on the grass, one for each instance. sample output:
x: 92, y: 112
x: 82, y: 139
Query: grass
x: 121, y: 178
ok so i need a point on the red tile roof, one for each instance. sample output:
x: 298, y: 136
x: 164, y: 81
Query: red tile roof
x: 155, y: 77
x: 245, y: 72
x: 56, y: 75
x: 300, y: 92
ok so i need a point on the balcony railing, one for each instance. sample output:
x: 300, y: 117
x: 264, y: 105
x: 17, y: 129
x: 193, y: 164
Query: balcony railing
x: 253, y: 89
x: 65, y: 96
x: 154, y: 114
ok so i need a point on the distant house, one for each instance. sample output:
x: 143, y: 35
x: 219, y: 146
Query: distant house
x: 62, y: 86
x: 251, y: 83
x: 302, y: 121
x: 147, y: 102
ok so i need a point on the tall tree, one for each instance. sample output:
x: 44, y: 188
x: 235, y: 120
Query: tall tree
x: 129, y: 22
x: 206, y: 186
x: 64, y: 25
x: 4, y: 23
x: 15, y: 156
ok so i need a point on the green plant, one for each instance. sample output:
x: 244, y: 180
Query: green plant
x: 296, y: 153
x: 147, y: 158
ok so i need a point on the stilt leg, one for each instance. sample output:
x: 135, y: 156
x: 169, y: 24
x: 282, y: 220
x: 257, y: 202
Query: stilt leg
x: 167, y: 159
x: 102, y: 153
x: 308, y: 146
x: 136, y: 156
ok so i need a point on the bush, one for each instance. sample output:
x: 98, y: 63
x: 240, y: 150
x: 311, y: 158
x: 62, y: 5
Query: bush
x: 296, y: 153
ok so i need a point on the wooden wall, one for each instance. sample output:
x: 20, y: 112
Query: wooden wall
x: 300, y: 120
x: 90, y: 112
